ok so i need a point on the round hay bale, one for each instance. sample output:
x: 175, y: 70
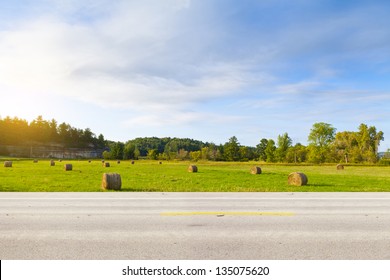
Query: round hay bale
x: 102, y: 161
x: 89, y: 161
x: 60, y: 160
x: 118, y: 162
x: 255, y: 170
x: 192, y: 168
x: 297, y: 179
x: 35, y: 161
x: 160, y: 162
x: 111, y: 181
x: 106, y: 164
x: 340, y: 167
x: 7, y: 163
x: 132, y: 162
x: 52, y: 163
x: 68, y: 167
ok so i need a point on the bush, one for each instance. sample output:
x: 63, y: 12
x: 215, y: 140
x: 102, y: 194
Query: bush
x: 384, y: 161
x: 107, y: 155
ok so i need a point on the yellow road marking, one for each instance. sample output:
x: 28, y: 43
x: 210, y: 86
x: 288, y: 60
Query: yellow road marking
x: 223, y: 213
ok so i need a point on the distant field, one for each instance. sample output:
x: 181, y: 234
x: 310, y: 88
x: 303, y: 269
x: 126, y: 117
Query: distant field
x: 150, y: 176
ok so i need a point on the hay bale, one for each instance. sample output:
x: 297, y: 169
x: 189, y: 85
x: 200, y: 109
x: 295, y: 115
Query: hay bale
x: 106, y: 164
x: 192, y: 168
x: 52, y: 163
x: 89, y: 161
x: 340, y: 167
x: 35, y: 161
x: 132, y: 162
x: 118, y: 162
x: 297, y: 179
x: 255, y: 170
x: 111, y: 181
x: 68, y: 167
x: 7, y: 163
x: 160, y: 162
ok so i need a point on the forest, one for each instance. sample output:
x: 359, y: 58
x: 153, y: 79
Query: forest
x: 325, y: 145
x: 19, y: 132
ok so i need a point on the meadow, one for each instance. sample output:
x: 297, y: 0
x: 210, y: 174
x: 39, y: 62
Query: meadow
x: 150, y: 176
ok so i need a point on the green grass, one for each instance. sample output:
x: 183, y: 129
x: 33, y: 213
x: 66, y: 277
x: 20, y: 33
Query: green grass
x: 149, y: 176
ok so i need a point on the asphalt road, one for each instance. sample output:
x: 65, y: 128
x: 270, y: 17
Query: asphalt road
x: 124, y: 226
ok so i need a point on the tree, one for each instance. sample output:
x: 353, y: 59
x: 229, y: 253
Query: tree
x: 260, y: 149
x: 107, y: 155
x: 129, y: 151
x: 214, y: 152
x: 204, y: 153
x: 232, y: 150
x: 320, y: 138
x: 244, y: 153
x: 360, y: 146
x: 347, y: 147
x: 116, y: 150
x: 297, y: 153
x: 152, y: 154
x: 101, y: 143
x: 40, y: 130
x: 284, y: 143
x: 182, y: 154
x: 195, y: 155
x: 270, y: 151
x: 369, y: 140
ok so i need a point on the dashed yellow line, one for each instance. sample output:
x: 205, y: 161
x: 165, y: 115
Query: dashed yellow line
x: 223, y: 213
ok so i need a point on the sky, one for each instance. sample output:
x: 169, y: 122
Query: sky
x: 201, y: 69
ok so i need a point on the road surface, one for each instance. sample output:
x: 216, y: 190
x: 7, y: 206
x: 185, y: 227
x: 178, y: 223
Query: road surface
x: 122, y: 226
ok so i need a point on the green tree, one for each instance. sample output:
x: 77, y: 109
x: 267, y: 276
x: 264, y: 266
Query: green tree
x: 244, y: 153
x: 205, y: 153
x: 297, y: 153
x: 152, y: 154
x: 232, y: 150
x: 116, y: 150
x: 137, y: 153
x: 320, y: 139
x: 129, y: 151
x: 40, y: 130
x: 284, y: 143
x: 182, y: 154
x: 101, y: 142
x: 195, y: 155
x: 369, y: 140
x: 270, y: 151
x: 107, y: 155
x: 260, y: 149
x: 347, y: 147
x: 360, y: 146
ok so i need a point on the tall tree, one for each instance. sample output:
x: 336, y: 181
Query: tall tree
x: 270, y: 151
x: 297, y: 153
x: 284, y: 143
x: 260, y: 149
x: 369, y: 140
x: 232, y: 149
x: 320, y: 138
x: 116, y: 150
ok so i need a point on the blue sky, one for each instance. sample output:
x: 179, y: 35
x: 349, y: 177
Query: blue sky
x: 203, y: 69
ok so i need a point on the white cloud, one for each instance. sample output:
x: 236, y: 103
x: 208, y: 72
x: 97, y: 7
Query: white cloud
x: 168, y: 62
x: 181, y: 118
x: 126, y: 60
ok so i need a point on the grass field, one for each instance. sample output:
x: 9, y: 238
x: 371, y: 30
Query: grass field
x: 150, y: 176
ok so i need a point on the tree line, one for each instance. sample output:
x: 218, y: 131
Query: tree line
x: 324, y: 144
x: 18, y: 132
